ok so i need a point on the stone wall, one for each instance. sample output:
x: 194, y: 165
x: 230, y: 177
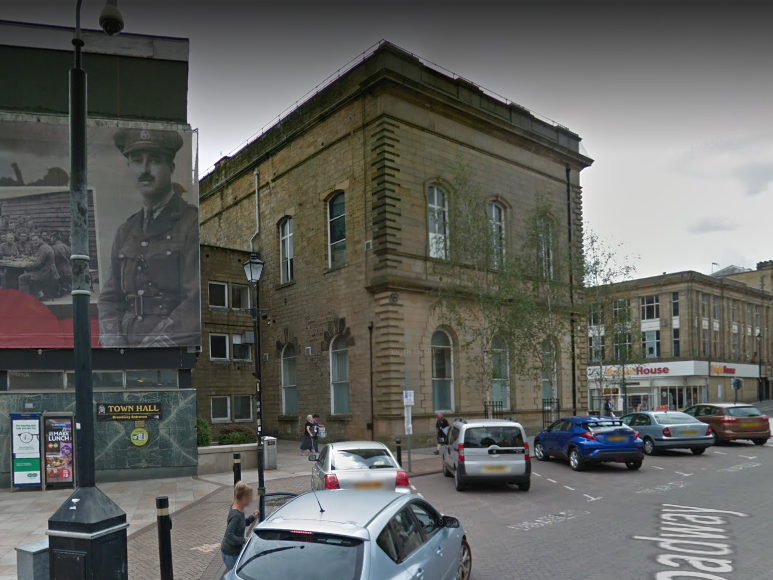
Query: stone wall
x: 170, y: 451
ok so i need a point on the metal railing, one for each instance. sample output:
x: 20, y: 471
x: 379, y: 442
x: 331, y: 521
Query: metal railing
x: 551, y: 410
x: 493, y: 410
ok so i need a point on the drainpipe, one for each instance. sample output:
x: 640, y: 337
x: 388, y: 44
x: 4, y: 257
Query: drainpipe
x: 257, y: 209
x: 372, y: 394
x: 571, y: 288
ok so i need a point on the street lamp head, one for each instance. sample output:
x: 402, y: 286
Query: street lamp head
x: 253, y: 268
x: 111, y: 20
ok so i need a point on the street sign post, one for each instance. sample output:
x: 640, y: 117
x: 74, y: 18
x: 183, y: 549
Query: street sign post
x: 408, y: 400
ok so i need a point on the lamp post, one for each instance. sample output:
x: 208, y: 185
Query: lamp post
x: 253, y: 268
x: 88, y: 532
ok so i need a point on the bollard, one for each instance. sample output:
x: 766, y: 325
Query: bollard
x: 164, y: 521
x: 399, y: 452
x: 237, y: 468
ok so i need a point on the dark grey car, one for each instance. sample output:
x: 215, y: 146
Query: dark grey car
x: 670, y: 430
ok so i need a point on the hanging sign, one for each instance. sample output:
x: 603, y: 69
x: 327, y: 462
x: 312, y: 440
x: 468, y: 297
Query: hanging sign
x: 25, y: 450
x: 58, y: 447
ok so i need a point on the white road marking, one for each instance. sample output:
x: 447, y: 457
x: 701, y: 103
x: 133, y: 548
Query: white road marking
x: 667, y: 487
x: 720, y: 452
x: 740, y: 467
x: 535, y: 473
x: 683, y: 474
x: 552, y: 480
x: 569, y: 488
x: 656, y: 467
x: 591, y: 498
x: 548, y: 520
x: 749, y: 456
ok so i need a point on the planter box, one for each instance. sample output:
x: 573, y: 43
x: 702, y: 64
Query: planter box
x: 220, y: 458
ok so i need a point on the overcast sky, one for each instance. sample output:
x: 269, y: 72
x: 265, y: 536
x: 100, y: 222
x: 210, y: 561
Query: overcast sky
x: 672, y: 99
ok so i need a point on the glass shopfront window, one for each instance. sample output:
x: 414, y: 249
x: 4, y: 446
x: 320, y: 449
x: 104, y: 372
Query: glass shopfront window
x: 151, y: 380
x: 35, y: 381
x: 100, y: 379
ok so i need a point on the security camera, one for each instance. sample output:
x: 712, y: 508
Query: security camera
x: 111, y: 20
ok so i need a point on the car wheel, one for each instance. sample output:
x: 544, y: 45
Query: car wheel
x: 525, y: 486
x: 698, y: 450
x: 465, y: 562
x: 717, y: 440
x: 759, y: 441
x: 446, y: 471
x: 458, y: 483
x: 633, y: 465
x: 649, y: 446
x: 575, y: 460
x: 539, y: 451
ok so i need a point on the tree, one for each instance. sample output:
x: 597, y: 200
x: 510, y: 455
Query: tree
x: 609, y: 320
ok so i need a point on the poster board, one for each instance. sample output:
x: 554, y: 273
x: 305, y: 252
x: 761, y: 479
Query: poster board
x: 59, y: 449
x: 25, y: 450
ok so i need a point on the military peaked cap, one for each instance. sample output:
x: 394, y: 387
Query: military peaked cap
x: 131, y: 140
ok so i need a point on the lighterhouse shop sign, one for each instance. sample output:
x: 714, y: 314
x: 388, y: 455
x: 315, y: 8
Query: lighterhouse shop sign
x: 129, y: 412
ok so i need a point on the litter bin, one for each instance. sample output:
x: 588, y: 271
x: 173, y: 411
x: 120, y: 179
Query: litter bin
x: 269, y: 452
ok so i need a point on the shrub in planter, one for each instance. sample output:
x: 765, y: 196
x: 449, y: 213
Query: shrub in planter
x: 236, y: 436
x: 203, y: 433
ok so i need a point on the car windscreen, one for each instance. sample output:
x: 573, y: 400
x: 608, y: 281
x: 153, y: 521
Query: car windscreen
x: 675, y: 419
x: 278, y: 555
x: 601, y: 426
x: 362, y: 459
x: 743, y: 412
x: 480, y: 437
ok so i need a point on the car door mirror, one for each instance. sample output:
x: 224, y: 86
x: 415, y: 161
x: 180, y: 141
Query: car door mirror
x: 312, y: 457
x: 450, y: 522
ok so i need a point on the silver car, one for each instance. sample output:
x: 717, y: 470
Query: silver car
x: 358, y: 465
x: 670, y: 430
x: 349, y: 535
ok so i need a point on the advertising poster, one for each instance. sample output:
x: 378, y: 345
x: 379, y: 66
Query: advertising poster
x: 25, y: 450
x: 144, y: 237
x: 59, y: 450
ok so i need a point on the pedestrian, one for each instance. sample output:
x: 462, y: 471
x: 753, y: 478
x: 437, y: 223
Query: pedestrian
x: 441, y: 427
x: 315, y: 431
x: 307, y: 444
x: 608, y: 407
x: 233, y: 539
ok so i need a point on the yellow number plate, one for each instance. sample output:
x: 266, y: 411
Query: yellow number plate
x: 689, y: 432
x: 494, y: 468
x: 368, y: 485
x: 617, y: 438
x: 748, y: 423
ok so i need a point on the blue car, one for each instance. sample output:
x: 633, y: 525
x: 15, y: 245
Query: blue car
x: 588, y: 440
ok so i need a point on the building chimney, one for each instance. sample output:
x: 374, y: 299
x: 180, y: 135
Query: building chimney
x: 766, y: 265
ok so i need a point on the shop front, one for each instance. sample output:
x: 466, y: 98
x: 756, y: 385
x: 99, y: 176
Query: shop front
x: 667, y: 386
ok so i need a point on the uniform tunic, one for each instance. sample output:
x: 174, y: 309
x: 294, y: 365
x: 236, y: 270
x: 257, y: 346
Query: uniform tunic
x: 151, y: 297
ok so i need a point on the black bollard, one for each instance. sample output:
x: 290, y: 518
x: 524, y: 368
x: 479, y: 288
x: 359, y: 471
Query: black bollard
x: 237, y: 468
x: 164, y: 521
x: 399, y: 451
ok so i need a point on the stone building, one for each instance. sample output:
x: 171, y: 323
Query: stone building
x: 684, y: 338
x: 223, y: 377
x: 343, y: 188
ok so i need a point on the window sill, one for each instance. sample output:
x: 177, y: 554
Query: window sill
x: 335, y: 269
x: 220, y: 361
x: 342, y: 418
x: 242, y: 361
x: 219, y: 421
x: 250, y: 420
x: 285, y: 285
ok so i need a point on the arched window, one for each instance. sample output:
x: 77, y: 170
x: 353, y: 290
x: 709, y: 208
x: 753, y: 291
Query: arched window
x: 286, y: 249
x: 547, y: 247
x: 496, y: 218
x: 437, y: 213
x: 442, y: 371
x: 336, y: 230
x: 289, y: 385
x: 500, y: 368
x: 339, y: 376
x: 549, y: 370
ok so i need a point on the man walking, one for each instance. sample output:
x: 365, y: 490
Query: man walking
x: 608, y: 407
x: 41, y: 273
x: 315, y: 432
x: 441, y: 427
x: 151, y: 296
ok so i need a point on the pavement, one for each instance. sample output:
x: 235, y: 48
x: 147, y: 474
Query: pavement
x: 199, y: 507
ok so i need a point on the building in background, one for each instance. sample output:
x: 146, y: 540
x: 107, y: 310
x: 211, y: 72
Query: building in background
x: 144, y: 263
x: 343, y: 189
x: 670, y: 341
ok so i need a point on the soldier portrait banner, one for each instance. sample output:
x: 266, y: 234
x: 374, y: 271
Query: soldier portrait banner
x: 143, y: 236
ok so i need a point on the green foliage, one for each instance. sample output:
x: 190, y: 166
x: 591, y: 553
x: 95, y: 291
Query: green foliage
x: 236, y: 436
x: 203, y: 433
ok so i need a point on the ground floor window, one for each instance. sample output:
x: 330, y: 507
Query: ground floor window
x: 637, y: 398
x: 220, y: 409
x: 242, y: 408
x: 442, y: 372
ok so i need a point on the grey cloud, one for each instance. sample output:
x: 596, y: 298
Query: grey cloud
x: 755, y: 176
x: 711, y: 226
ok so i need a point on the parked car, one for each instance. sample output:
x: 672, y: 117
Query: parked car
x: 670, y: 430
x: 588, y: 440
x: 358, y: 465
x: 350, y: 535
x: 487, y: 451
x: 733, y: 421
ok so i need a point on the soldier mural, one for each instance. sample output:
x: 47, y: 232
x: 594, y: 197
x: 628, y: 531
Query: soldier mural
x: 151, y: 295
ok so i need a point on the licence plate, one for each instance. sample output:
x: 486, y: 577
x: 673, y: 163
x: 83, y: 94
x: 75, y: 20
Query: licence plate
x: 617, y: 438
x: 689, y: 432
x: 748, y: 423
x: 368, y: 485
x: 494, y: 468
